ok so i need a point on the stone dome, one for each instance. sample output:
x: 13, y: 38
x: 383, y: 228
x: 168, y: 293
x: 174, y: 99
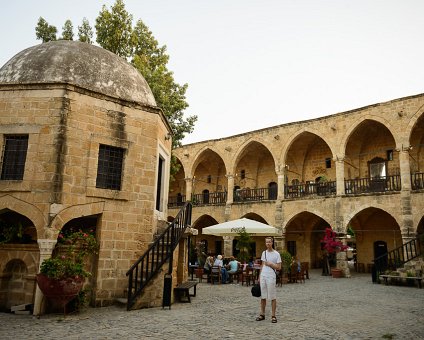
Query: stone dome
x: 79, y: 64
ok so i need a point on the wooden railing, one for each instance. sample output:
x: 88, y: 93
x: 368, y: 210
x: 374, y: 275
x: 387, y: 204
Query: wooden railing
x: 372, y: 185
x: 255, y: 195
x: 352, y: 187
x: 417, y: 181
x: 176, y: 201
x: 210, y: 198
x: 310, y: 189
x: 159, y: 252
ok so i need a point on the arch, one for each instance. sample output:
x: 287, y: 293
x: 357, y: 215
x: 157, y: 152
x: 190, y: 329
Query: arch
x: 26, y: 209
x: 362, y: 208
x: 239, y: 154
x: 414, y: 120
x: 294, y: 136
x: 197, y: 159
x: 28, y: 255
x: 345, y: 139
x: 318, y: 214
x: 75, y: 211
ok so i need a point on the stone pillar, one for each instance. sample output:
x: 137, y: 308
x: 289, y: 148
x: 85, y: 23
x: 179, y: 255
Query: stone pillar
x: 405, y: 176
x: 342, y: 263
x: 405, y: 171
x: 340, y: 186
x: 228, y: 245
x: 46, y: 250
x: 280, y: 183
x: 189, y: 187
x: 230, y: 186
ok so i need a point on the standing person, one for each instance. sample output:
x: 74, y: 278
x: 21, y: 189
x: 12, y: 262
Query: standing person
x: 271, y: 261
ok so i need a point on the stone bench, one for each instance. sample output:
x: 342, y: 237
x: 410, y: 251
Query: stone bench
x: 397, y: 278
x: 182, y: 290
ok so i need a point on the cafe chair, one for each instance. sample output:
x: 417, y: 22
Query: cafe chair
x: 247, y: 276
x: 216, y: 274
x: 200, y: 274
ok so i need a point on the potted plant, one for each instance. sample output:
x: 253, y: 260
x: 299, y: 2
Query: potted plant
x: 243, y: 245
x: 62, y: 276
x: 331, y: 245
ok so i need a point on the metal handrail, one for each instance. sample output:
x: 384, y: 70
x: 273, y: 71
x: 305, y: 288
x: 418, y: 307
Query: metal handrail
x: 396, y: 258
x: 159, y: 252
x: 310, y: 189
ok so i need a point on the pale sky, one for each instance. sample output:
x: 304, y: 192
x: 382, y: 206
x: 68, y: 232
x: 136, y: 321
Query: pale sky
x: 252, y: 64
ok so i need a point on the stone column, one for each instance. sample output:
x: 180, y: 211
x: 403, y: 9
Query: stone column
x: 405, y: 171
x: 189, y: 187
x: 228, y: 245
x: 230, y: 186
x: 340, y: 186
x: 46, y: 250
x: 407, y: 229
x: 280, y: 183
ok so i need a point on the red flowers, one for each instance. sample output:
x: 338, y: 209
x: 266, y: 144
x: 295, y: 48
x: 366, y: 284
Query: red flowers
x: 330, y: 243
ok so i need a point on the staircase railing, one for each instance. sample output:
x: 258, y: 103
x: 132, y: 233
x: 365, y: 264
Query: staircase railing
x: 397, y: 257
x: 159, y: 252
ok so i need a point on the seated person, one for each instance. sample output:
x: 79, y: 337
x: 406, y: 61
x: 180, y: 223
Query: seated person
x: 218, y: 262
x: 233, y: 266
x: 208, y: 265
x: 295, y: 262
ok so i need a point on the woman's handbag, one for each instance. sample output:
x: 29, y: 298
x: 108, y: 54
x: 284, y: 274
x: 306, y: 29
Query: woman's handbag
x: 256, y: 290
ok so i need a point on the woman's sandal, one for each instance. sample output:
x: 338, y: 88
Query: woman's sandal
x: 274, y: 319
x: 260, y: 317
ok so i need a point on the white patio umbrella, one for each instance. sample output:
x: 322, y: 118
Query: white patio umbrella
x: 232, y: 228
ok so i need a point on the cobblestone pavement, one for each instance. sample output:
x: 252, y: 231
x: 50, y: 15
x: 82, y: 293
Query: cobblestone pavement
x: 322, y: 308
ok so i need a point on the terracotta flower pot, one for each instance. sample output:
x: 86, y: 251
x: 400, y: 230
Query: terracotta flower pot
x: 336, y: 273
x: 60, y: 291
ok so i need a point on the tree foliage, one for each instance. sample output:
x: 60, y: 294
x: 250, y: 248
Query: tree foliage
x: 44, y: 31
x: 115, y: 32
x: 67, y: 30
x: 85, y: 32
x: 114, y: 29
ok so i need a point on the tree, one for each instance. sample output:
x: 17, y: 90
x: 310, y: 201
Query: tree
x: 67, y: 30
x: 114, y: 29
x: 151, y: 60
x: 244, y: 245
x: 85, y: 32
x: 115, y: 33
x: 44, y: 31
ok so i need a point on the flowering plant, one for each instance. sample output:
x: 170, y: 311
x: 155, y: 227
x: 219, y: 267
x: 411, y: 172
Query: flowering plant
x: 78, y: 245
x: 330, y: 243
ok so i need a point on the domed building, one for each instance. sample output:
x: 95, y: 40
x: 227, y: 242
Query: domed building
x: 83, y: 146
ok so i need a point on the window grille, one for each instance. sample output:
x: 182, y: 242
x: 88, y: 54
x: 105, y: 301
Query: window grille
x: 109, y: 167
x: 14, y: 157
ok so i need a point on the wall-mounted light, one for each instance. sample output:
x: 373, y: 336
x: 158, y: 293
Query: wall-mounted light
x: 168, y: 136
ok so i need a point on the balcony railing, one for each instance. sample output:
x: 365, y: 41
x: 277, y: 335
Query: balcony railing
x: 176, y: 201
x: 210, y: 198
x: 255, y: 195
x: 352, y: 187
x: 372, y: 185
x: 310, y: 189
x: 417, y: 181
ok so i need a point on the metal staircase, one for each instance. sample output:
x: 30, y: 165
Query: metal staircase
x: 398, y: 257
x: 159, y: 252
